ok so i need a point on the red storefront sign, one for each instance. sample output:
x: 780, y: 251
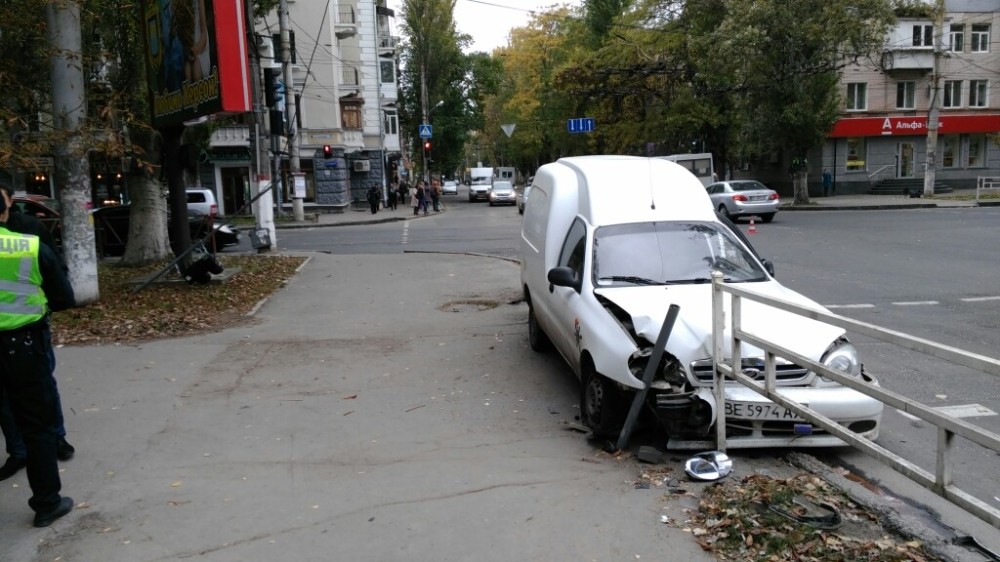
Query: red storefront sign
x: 196, y: 59
x: 948, y: 124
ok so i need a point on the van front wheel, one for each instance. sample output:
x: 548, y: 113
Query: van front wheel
x: 602, y: 404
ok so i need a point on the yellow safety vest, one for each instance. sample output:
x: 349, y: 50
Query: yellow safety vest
x: 22, y: 300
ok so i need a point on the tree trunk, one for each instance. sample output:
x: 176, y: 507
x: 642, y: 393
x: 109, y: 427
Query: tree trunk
x: 800, y: 184
x: 147, y: 232
x: 72, y: 168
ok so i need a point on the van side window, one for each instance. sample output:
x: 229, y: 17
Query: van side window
x: 572, y: 254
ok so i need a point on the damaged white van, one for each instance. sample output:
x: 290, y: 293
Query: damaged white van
x: 608, y: 244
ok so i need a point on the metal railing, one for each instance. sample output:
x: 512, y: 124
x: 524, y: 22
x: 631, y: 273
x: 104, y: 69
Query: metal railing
x: 880, y: 174
x: 987, y: 184
x: 948, y: 427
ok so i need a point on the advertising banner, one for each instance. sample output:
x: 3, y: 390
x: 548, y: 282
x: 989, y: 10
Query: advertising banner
x: 196, y: 59
x: 948, y: 124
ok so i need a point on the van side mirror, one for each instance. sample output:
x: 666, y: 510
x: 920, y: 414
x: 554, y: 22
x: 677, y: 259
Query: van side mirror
x: 565, y: 277
x: 768, y: 266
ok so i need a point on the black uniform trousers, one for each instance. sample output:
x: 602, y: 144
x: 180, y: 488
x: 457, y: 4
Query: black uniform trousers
x: 26, y: 379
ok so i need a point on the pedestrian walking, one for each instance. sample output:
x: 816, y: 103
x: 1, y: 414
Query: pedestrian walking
x: 32, y: 284
x: 415, y: 198
x: 827, y: 183
x: 393, y: 192
x: 374, y: 198
x: 436, y: 193
x: 404, y: 190
x: 17, y: 452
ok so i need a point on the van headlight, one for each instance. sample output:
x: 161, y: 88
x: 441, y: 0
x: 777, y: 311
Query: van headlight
x: 842, y: 357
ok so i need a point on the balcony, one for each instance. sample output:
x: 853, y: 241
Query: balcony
x: 338, y: 138
x: 231, y: 136
x: 907, y: 60
x: 346, y: 24
x: 387, y: 45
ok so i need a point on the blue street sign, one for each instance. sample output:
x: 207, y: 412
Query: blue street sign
x: 425, y: 131
x: 580, y: 125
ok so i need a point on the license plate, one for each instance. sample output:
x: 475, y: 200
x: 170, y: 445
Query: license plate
x: 760, y: 411
x: 758, y: 197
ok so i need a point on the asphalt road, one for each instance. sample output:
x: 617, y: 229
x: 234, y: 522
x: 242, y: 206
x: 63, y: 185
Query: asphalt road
x: 930, y: 273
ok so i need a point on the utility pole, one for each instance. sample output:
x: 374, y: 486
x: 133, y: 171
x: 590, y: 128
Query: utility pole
x: 930, y: 167
x: 72, y: 167
x: 423, y: 111
x: 263, y: 210
x: 291, y: 109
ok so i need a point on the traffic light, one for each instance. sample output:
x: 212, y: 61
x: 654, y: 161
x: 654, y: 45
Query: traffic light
x: 327, y: 151
x: 427, y: 146
x: 270, y: 82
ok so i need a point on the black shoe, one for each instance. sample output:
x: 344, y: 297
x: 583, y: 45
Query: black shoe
x: 11, y: 467
x: 64, y: 451
x: 49, y: 517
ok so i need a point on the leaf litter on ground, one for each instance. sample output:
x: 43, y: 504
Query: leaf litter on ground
x: 733, y: 522
x: 165, y: 310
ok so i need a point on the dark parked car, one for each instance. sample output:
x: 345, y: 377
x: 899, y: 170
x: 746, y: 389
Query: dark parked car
x: 111, y: 225
x: 45, y: 209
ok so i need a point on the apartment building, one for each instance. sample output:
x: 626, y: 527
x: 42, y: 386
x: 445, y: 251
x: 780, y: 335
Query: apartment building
x: 882, y: 132
x: 344, y: 70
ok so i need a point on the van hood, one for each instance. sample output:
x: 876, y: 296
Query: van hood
x: 691, y: 338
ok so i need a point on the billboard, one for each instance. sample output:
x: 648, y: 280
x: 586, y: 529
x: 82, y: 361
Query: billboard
x: 196, y: 59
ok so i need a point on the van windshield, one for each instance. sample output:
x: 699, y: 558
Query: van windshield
x: 669, y: 253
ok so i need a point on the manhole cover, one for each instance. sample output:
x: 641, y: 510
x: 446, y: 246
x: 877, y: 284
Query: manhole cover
x: 469, y: 305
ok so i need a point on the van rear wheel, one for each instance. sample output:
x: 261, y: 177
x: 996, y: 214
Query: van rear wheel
x: 602, y: 404
x: 537, y: 338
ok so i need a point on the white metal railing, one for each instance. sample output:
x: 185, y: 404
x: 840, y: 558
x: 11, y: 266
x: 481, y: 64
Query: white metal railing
x: 940, y: 482
x: 880, y: 174
x: 987, y: 184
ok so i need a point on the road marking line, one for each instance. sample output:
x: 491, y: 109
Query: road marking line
x: 966, y: 411
x: 960, y: 411
x: 850, y: 306
x: 915, y: 303
x: 406, y: 231
x: 981, y: 299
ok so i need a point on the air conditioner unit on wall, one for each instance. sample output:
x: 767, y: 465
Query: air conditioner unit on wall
x: 361, y: 166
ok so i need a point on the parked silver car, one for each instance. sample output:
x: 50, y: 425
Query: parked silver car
x: 742, y: 198
x: 522, y: 197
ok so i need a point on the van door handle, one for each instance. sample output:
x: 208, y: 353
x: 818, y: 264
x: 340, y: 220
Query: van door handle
x: 552, y: 288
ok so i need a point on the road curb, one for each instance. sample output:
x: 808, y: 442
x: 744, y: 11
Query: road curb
x: 860, y: 207
x: 300, y: 225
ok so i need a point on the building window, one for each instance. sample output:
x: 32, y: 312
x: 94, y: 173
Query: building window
x: 391, y: 124
x: 388, y: 71
x: 857, y: 149
x: 977, y: 93
x: 977, y: 151
x: 980, y: 40
x: 905, y: 93
x: 857, y: 96
x: 956, y: 37
x: 949, y: 151
x: 952, y: 93
x: 350, y: 114
x: 923, y: 36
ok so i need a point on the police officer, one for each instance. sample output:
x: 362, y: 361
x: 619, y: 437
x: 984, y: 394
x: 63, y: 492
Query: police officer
x: 32, y: 283
x: 17, y: 452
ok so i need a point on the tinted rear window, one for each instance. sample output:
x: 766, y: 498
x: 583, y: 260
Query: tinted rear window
x: 747, y: 185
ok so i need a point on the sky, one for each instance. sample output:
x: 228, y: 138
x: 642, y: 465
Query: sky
x: 489, y: 21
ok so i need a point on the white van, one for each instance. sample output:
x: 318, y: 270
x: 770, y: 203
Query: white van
x: 608, y: 244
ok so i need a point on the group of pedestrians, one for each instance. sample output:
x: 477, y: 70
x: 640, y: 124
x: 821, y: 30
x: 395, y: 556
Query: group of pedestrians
x: 33, y: 283
x: 424, y: 197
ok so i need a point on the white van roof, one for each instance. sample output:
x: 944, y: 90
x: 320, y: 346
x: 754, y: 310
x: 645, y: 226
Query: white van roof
x: 628, y: 189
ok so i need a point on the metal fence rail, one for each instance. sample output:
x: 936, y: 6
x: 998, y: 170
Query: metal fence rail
x: 940, y: 481
x: 986, y: 184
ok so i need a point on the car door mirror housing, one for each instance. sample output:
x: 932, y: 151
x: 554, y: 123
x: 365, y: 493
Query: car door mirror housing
x: 565, y: 277
x: 768, y: 266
